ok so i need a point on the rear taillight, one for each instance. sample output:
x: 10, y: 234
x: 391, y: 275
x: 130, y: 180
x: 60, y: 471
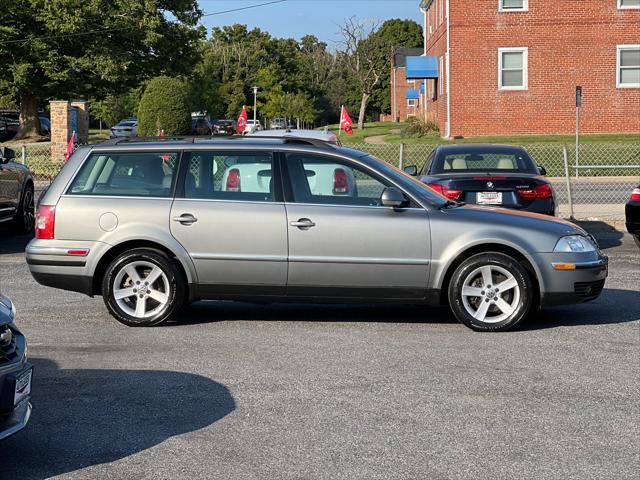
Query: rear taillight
x: 340, y: 186
x: 635, y: 195
x: 451, y: 193
x: 540, y: 192
x: 233, y: 180
x: 46, y: 222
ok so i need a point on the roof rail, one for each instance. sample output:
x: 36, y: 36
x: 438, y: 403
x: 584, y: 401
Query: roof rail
x: 191, y: 139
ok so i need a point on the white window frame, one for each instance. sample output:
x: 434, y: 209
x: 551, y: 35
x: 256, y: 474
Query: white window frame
x: 525, y: 68
x: 619, y: 84
x: 412, y: 102
x: 628, y: 7
x: 441, y: 76
x: 525, y: 7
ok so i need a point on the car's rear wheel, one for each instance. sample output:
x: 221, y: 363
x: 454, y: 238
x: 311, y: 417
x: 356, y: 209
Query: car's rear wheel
x: 143, y: 287
x: 25, y: 220
x: 491, y: 292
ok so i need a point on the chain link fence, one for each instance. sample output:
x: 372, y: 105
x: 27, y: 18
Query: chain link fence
x: 600, y: 180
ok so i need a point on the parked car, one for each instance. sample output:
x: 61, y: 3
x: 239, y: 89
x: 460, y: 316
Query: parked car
x: 4, y: 131
x: 16, y: 192
x: 15, y: 374
x: 327, y: 136
x: 279, y: 123
x: 45, y: 126
x: 393, y: 240
x: 632, y: 214
x: 9, y: 124
x: 201, y: 126
x: 125, y: 128
x: 496, y: 175
x: 224, y: 127
x: 253, y: 126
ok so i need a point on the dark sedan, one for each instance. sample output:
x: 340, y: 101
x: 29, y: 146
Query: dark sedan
x: 16, y: 192
x: 632, y: 213
x: 494, y: 175
x: 224, y: 127
x: 15, y: 374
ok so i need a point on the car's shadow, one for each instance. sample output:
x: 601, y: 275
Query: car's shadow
x: 88, y: 417
x: 613, y: 306
x: 605, y: 234
x: 11, y: 242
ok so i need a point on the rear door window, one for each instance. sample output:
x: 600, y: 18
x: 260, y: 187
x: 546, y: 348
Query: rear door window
x: 137, y: 174
x: 240, y: 176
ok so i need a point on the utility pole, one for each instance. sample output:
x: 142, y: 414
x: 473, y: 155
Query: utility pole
x: 578, y: 106
x: 255, y: 102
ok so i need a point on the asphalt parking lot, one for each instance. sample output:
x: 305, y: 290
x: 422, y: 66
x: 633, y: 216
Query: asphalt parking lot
x: 287, y: 391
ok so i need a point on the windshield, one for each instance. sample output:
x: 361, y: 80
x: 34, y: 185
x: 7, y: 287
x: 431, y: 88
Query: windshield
x: 416, y: 187
x: 483, y: 159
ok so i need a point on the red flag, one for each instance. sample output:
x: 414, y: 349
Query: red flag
x: 69, y: 150
x: 345, y: 121
x: 242, y: 120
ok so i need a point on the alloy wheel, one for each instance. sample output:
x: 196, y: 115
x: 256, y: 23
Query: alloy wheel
x: 490, y: 294
x: 141, y: 289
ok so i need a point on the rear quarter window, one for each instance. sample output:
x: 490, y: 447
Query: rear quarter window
x: 143, y: 174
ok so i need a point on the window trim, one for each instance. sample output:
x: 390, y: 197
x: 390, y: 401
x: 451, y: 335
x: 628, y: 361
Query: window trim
x: 525, y: 68
x: 412, y: 103
x: 619, y: 49
x: 628, y: 7
x: 525, y: 7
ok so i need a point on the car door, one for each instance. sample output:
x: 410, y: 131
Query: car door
x: 342, y: 242
x: 9, y: 188
x: 229, y: 216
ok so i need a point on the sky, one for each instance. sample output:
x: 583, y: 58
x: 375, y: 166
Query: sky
x: 296, y: 18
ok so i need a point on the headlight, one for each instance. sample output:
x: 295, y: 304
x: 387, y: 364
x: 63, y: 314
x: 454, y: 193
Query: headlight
x: 575, y: 243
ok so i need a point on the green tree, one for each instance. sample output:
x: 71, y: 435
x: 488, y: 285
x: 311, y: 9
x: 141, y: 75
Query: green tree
x: 164, y: 106
x: 68, y: 48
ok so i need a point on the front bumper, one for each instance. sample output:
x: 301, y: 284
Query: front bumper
x: 13, y: 419
x: 584, y: 283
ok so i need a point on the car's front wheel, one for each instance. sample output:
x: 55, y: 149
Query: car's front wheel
x: 491, y: 292
x: 143, y: 287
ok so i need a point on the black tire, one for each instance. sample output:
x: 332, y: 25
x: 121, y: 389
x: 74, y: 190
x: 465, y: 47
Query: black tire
x: 519, y: 300
x: 25, y: 219
x: 173, y: 285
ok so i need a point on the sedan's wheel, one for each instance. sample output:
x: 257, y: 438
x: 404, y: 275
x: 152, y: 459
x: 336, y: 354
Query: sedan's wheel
x: 142, y: 288
x: 26, y: 217
x: 490, y: 292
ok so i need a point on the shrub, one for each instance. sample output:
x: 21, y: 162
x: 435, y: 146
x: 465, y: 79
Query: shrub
x: 419, y: 127
x: 164, y: 106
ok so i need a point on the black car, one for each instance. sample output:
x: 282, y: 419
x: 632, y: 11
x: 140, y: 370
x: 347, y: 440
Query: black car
x: 15, y: 374
x: 16, y: 192
x: 224, y: 127
x: 201, y: 126
x: 495, y: 175
x: 632, y: 213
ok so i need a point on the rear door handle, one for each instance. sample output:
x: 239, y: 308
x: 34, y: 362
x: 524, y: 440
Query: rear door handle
x: 185, y: 219
x: 303, y: 224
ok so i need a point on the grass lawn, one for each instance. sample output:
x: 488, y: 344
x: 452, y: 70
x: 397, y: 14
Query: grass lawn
x: 391, y: 135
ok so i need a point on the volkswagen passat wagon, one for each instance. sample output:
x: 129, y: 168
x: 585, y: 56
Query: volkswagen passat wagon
x: 152, y: 225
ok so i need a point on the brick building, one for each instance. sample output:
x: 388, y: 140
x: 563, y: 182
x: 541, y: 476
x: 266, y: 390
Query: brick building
x: 406, y: 101
x: 510, y: 67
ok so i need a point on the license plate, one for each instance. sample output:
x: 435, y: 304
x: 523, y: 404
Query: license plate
x: 489, y: 198
x: 23, y: 387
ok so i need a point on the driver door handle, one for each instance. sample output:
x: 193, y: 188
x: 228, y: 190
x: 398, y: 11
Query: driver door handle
x: 303, y: 224
x: 185, y: 219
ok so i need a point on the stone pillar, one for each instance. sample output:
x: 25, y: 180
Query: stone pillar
x: 60, y: 129
x: 82, y: 134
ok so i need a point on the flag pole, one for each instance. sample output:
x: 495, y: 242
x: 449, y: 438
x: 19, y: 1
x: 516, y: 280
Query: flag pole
x: 340, y: 122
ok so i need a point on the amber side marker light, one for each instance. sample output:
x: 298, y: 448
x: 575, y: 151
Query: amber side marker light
x: 564, y: 266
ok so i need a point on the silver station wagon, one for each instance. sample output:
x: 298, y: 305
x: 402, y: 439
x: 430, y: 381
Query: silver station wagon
x: 153, y: 225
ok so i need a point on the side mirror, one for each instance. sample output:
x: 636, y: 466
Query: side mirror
x: 7, y: 154
x: 542, y: 170
x: 392, y: 197
x: 411, y: 170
